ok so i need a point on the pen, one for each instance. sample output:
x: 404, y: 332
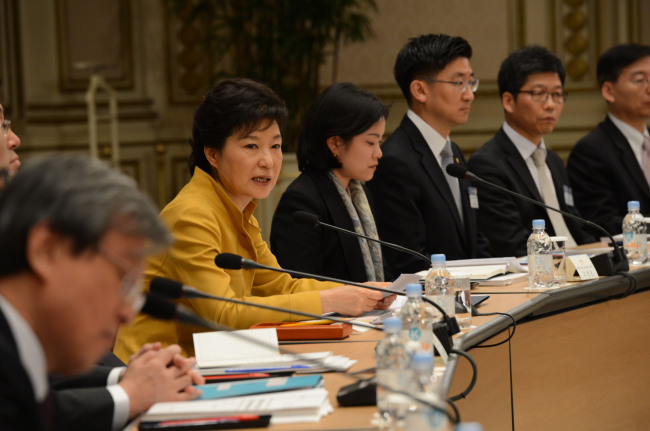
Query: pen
x: 262, y: 370
x: 217, y: 420
x: 307, y: 323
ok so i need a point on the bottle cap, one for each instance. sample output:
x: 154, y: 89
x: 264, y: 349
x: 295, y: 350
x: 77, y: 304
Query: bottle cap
x: 422, y: 360
x: 469, y: 426
x: 438, y: 258
x: 633, y: 205
x: 539, y: 224
x: 413, y: 289
x: 392, y: 325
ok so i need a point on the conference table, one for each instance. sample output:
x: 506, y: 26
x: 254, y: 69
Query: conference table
x: 578, y: 360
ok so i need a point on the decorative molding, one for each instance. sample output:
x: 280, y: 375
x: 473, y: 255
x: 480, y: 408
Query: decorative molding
x: 103, y: 43
x: 76, y: 112
x: 188, y: 58
x: 575, y: 40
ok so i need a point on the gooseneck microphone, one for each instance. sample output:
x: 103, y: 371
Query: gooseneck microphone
x: 171, y: 289
x: 156, y: 306
x: 312, y: 221
x: 233, y: 261
x: 615, y: 261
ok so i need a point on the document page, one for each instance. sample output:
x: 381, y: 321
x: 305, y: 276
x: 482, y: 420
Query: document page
x: 214, y: 349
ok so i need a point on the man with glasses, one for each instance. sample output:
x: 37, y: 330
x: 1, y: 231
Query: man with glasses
x: 417, y: 205
x: 74, y: 235
x: 531, y: 84
x: 611, y: 165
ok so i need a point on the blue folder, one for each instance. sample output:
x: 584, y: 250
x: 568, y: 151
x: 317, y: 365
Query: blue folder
x: 259, y: 386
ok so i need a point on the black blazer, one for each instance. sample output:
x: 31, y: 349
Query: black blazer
x: 605, y: 175
x: 84, y: 400
x: 504, y: 219
x: 319, y: 251
x: 414, y: 206
x: 19, y: 410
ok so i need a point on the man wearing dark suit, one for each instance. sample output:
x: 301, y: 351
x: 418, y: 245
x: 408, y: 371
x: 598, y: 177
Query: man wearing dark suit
x: 74, y: 235
x: 417, y: 205
x: 611, y: 165
x: 531, y: 86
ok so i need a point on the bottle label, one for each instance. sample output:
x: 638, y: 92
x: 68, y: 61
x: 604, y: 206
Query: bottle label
x: 419, y: 339
x: 540, y: 270
x: 635, y: 242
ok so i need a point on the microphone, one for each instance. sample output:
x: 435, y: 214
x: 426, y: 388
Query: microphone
x: 171, y: 289
x: 157, y: 307
x: 443, y: 331
x: 606, y: 264
x: 311, y: 220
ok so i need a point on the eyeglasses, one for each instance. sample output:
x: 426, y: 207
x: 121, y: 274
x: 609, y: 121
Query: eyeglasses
x: 131, y: 281
x: 641, y: 82
x: 558, y: 97
x: 461, y: 86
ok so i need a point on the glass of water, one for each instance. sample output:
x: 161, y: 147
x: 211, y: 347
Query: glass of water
x: 463, y: 301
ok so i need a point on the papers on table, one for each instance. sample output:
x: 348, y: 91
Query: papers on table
x: 513, y: 265
x: 288, y: 398
x: 305, y: 405
x: 504, y: 280
x: 399, y: 285
x: 478, y: 272
x: 257, y: 350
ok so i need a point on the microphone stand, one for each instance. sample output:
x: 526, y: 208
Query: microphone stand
x: 605, y: 263
x: 305, y: 218
x: 160, y: 289
x: 443, y: 331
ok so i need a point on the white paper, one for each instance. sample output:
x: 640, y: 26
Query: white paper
x: 583, y: 266
x: 304, y: 405
x: 399, y: 285
x: 222, y: 348
x: 513, y: 264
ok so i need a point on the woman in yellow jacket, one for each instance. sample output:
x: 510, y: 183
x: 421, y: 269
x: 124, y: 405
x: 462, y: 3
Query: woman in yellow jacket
x: 236, y: 157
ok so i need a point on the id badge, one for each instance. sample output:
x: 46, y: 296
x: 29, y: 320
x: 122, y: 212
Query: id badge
x: 568, y: 195
x: 473, y: 197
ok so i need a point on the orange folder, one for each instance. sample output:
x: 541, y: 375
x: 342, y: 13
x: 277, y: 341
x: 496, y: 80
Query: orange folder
x: 334, y: 331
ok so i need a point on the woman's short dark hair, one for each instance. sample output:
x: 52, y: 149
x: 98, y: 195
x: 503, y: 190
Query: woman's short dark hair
x: 343, y: 110
x: 233, y: 106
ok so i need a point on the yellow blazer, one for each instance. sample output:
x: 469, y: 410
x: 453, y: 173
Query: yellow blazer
x: 205, y: 222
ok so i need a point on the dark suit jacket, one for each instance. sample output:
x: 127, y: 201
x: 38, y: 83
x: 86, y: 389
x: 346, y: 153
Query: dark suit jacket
x: 84, y: 400
x: 605, y: 175
x: 414, y: 206
x: 319, y: 251
x: 80, y: 403
x: 505, y: 220
x: 18, y: 407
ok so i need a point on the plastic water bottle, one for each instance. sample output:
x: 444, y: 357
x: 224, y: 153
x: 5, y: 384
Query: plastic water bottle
x: 417, y: 321
x: 422, y: 416
x: 439, y: 284
x: 634, y: 235
x: 392, y: 370
x: 540, y: 258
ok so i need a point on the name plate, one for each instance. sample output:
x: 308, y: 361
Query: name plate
x: 580, y: 268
